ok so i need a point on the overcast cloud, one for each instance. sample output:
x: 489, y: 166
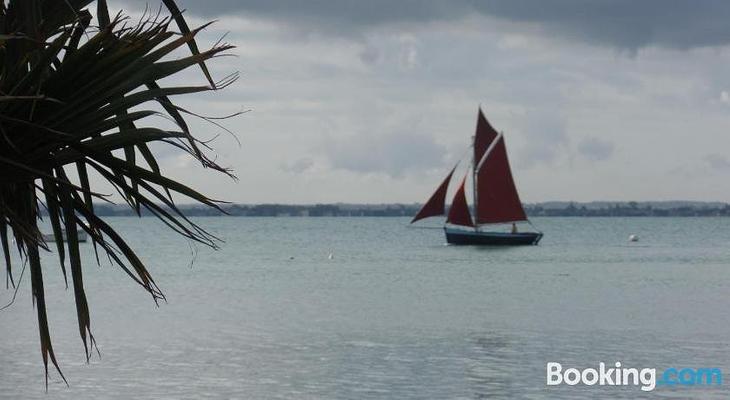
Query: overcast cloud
x: 373, y: 101
x: 621, y: 23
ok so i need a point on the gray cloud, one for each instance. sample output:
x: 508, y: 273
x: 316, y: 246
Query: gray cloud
x: 718, y: 162
x: 393, y: 154
x: 624, y: 24
x: 297, y: 166
x: 595, y: 149
x: 546, y: 137
x: 337, y: 15
x: 362, y: 104
x: 370, y: 55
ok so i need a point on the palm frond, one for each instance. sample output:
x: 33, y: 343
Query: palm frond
x: 74, y: 97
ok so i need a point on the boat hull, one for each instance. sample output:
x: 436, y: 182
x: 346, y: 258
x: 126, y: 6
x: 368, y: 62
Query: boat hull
x: 464, y: 237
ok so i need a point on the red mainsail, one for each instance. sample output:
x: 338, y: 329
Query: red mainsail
x: 497, y: 198
x: 435, y: 205
x: 483, y: 137
x: 459, y: 211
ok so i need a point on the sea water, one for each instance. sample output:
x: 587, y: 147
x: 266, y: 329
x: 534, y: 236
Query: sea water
x: 368, y: 308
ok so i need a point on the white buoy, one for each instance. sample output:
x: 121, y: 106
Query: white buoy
x: 330, y: 256
x: 633, y: 238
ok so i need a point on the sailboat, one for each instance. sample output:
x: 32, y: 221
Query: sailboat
x: 495, y: 197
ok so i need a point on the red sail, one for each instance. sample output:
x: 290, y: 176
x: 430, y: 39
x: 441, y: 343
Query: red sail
x: 459, y: 211
x: 498, y: 199
x: 435, y: 205
x: 483, y: 137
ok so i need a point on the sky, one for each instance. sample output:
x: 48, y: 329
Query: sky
x: 374, y: 101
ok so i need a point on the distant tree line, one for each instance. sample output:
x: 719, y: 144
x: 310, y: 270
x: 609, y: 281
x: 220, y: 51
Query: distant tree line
x: 572, y: 209
x: 630, y: 209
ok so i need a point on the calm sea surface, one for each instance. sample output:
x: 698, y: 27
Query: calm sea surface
x: 394, y: 314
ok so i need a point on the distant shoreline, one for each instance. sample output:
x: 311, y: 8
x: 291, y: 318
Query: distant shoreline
x: 545, y: 209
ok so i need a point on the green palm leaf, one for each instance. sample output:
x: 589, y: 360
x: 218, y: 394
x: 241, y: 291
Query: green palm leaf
x: 72, y: 97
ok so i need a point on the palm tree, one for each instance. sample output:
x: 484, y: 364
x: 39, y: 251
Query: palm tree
x: 76, y: 99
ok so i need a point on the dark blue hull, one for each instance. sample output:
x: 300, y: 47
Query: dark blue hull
x: 464, y: 237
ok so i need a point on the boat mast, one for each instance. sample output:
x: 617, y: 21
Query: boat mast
x: 474, y: 162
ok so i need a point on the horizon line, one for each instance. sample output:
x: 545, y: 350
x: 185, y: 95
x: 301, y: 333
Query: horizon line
x: 232, y: 203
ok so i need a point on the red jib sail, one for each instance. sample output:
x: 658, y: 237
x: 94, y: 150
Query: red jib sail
x: 435, y: 205
x: 459, y: 211
x: 483, y: 137
x: 497, y: 198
